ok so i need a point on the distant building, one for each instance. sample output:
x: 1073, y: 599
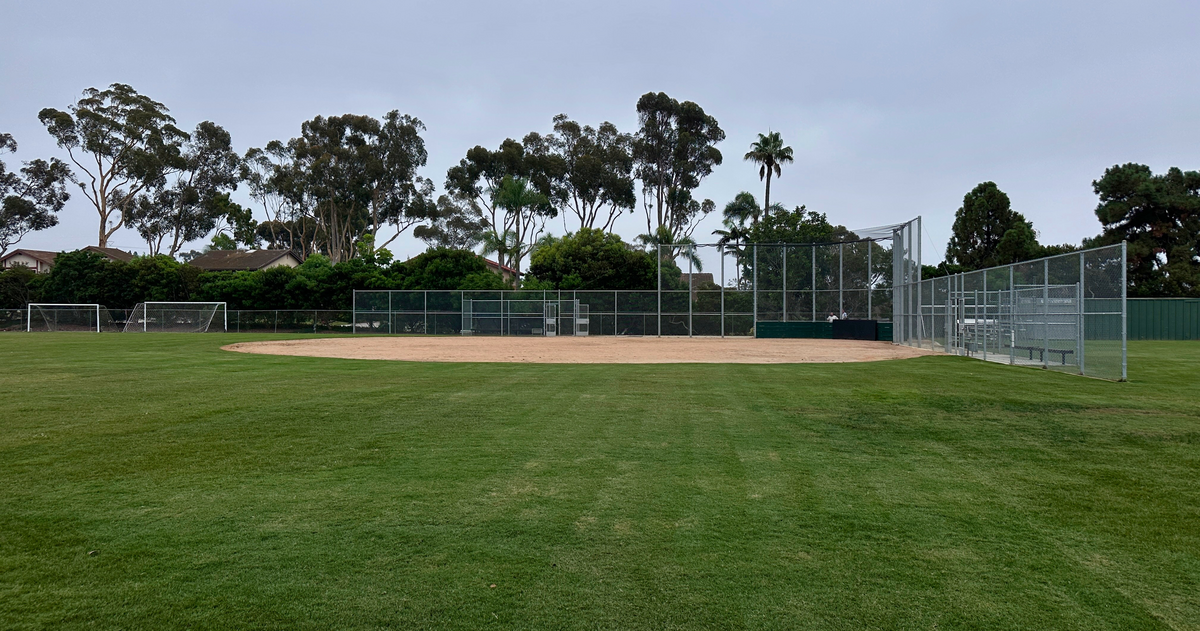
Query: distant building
x: 112, y: 254
x: 41, y: 261
x: 697, y: 279
x: 505, y: 272
x: 238, y: 261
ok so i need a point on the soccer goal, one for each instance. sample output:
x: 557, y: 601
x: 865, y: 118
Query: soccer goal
x: 177, y: 317
x: 54, y: 316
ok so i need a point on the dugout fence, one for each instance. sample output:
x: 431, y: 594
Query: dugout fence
x: 1066, y: 313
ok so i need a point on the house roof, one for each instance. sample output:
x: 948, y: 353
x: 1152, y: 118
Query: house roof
x: 44, y: 256
x: 491, y: 263
x: 112, y: 253
x: 236, y: 260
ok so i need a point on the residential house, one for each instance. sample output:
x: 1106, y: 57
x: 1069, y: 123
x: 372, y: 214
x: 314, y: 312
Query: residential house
x: 239, y: 261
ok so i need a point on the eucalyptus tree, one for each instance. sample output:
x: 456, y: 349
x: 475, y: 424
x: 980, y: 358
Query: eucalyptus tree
x: 590, y: 170
x: 262, y: 171
x: 769, y: 153
x: 185, y: 206
x: 674, y: 149
x: 353, y: 176
x: 490, y: 180
x: 454, y: 224
x: 30, y: 200
x: 123, y: 142
x: 400, y: 198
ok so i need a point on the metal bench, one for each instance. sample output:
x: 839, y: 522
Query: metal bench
x: 1042, y: 351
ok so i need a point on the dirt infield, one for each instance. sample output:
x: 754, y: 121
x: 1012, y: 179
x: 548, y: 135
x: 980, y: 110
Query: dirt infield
x: 586, y: 350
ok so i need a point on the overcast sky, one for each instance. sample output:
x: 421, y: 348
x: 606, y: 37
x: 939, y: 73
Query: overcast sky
x: 894, y: 109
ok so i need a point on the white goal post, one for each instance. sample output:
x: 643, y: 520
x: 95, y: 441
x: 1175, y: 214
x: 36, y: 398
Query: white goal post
x: 67, y: 316
x: 181, y: 317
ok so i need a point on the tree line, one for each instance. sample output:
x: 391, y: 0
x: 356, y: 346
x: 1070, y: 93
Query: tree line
x: 348, y: 186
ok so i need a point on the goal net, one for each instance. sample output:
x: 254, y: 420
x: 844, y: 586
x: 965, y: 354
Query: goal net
x: 177, y: 317
x: 68, y: 317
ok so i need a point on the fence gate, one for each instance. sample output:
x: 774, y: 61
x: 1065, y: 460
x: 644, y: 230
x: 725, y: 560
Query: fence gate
x: 551, y: 319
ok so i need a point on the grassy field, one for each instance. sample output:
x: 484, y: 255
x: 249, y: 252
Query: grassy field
x: 157, y: 482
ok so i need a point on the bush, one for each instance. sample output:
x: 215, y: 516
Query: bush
x: 88, y: 277
x: 592, y: 259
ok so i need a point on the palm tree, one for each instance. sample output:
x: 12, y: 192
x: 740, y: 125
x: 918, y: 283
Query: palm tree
x: 735, y: 232
x: 680, y: 246
x: 743, y: 208
x: 768, y: 152
x: 522, y: 203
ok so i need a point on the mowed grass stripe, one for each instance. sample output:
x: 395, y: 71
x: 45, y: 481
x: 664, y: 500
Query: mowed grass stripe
x: 252, y: 491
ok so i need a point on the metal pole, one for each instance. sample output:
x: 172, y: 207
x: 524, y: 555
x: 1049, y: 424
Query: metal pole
x: 390, y: 316
x: 353, y: 314
x: 920, y: 322
x: 425, y: 313
x: 754, y: 289
x: 28, y: 318
x: 896, y: 283
x: 841, y: 256
x: 985, y: 317
x: 659, y: 250
x: 1124, y: 311
x: 1012, y: 308
x: 722, y: 249
x: 814, y: 283
x: 1046, y: 313
x: 691, y: 287
x: 870, y: 280
x: 1082, y: 319
x: 949, y: 329
x: 784, y: 282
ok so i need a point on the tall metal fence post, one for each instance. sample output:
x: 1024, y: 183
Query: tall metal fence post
x: 841, y: 256
x: 1082, y: 314
x: 870, y: 280
x: 920, y: 301
x: 425, y: 313
x: 754, y: 289
x: 659, y: 250
x: 1046, y: 312
x: 354, y: 312
x: 985, y: 317
x: 813, y: 259
x: 783, y: 249
x: 1012, y: 307
x: 691, y: 287
x: 722, y: 250
x: 1124, y: 310
x: 390, y: 315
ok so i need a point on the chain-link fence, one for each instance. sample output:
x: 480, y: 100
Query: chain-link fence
x: 710, y: 290
x: 1065, y: 313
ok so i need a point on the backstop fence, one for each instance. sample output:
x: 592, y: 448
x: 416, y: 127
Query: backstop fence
x: 1065, y: 313
x: 702, y: 289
